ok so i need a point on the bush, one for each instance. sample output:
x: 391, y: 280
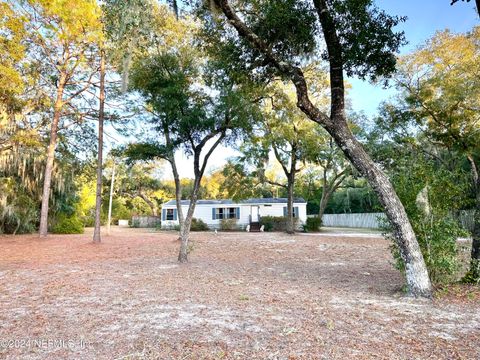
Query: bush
x: 68, y: 225
x: 276, y: 223
x: 313, y: 224
x: 198, y: 225
x: 228, y: 224
x: 438, y: 243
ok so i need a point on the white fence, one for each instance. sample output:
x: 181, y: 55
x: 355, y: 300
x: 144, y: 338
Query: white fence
x: 365, y: 220
x: 146, y: 221
x: 374, y: 220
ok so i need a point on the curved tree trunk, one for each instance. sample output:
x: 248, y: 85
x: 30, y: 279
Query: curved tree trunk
x: 149, y: 203
x: 416, y: 272
x: 178, y: 194
x: 326, y: 194
x: 290, y: 219
x: 47, y: 178
x: 415, y: 269
x: 101, y: 115
x: 187, y: 223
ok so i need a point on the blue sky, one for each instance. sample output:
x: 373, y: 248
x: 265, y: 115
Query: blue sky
x: 425, y: 17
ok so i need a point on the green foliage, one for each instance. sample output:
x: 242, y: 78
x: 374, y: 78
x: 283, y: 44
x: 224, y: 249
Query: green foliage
x: 68, y: 225
x: 353, y: 200
x: 438, y: 242
x: 119, y: 209
x: 18, y: 213
x: 241, y: 184
x: 289, y: 26
x: 228, y: 224
x: 313, y: 224
x: 276, y: 223
x: 431, y: 195
x: 368, y: 40
x: 198, y: 225
x: 291, y: 29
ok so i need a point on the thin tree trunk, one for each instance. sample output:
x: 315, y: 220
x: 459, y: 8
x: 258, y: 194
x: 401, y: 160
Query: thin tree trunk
x: 47, y: 179
x: 474, y: 271
x: 176, y: 178
x: 326, y: 194
x: 473, y: 274
x: 185, y: 230
x: 199, y: 171
x: 149, y: 203
x: 178, y: 195
x: 290, y: 218
x: 109, y: 220
x: 101, y: 116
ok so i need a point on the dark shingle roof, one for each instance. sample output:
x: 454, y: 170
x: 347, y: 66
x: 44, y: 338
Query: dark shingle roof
x: 230, y: 202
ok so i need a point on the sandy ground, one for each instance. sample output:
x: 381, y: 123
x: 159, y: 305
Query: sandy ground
x: 241, y: 296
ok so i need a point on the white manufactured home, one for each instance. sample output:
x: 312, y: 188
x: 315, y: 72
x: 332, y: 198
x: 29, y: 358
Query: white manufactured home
x: 247, y: 212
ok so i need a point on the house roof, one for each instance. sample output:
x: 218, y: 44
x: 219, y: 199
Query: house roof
x: 231, y: 202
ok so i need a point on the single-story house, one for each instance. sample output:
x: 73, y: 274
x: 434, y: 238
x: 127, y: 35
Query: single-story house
x: 247, y: 212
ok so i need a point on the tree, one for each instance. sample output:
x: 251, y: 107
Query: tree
x: 359, y: 41
x: 12, y: 52
x: 139, y: 181
x: 61, y: 39
x: 288, y: 134
x: 334, y: 168
x: 441, y: 96
x: 101, y: 117
x: 188, y: 116
x: 242, y: 182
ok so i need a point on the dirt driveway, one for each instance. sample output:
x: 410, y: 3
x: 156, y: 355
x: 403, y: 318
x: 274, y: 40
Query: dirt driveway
x: 242, y: 296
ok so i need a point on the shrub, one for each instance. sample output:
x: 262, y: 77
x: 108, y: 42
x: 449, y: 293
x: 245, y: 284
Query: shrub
x: 198, y: 225
x: 228, y: 224
x: 68, y: 225
x: 438, y: 242
x: 276, y: 223
x: 313, y: 224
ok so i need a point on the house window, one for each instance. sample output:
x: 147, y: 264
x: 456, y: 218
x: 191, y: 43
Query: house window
x: 231, y: 213
x: 295, y: 211
x: 170, y: 214
x: 226, y: 213
x: 220, y: 213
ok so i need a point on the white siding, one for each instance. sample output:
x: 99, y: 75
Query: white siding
x: 204, y: 212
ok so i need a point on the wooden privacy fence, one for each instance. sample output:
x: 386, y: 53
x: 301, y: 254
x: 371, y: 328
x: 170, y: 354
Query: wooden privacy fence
x: 466, y: 218
x: 374, y: 220
x: 146, y: 221
x: 365, y: 220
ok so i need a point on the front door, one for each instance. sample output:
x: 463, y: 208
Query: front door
x: 254, y: 214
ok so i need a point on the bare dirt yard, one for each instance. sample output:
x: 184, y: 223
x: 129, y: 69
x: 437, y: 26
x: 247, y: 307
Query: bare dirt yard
x: 242, y: 296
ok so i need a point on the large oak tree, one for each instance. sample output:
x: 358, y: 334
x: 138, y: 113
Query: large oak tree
x: 276, y: 37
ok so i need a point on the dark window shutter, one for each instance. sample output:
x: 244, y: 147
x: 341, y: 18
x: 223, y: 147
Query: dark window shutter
x: 296, y: 211
x: 238, y: 213
x: 213, y: 213
x: 175, y: 214
x: 164, y: 214
x: 285, y: 212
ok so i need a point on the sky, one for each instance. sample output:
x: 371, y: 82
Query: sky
x: 424, y: 18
